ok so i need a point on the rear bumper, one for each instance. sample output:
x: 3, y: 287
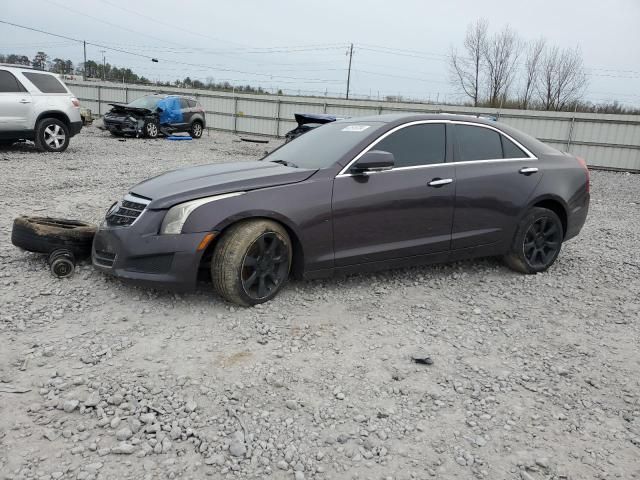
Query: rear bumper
x: 576, y: 219
x: 74, y: 128
x: 158, y: 261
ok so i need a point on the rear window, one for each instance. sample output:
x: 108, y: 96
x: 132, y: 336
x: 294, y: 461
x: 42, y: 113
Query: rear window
x: 477, y: 143
x: 9, y: 83
x: 192, y: 103
x: 511, y: 150
x: 45, y: 83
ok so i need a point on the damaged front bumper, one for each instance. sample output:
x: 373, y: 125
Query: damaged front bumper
x: 124, y: 124
x: 140, y: 255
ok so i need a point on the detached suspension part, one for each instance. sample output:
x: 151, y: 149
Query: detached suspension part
x: 62, y: 263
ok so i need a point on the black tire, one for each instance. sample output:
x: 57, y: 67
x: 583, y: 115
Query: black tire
x: 45, y: 235
x: 537, y: 242
x: 51, y: 135
x: 196, y: 129
x: 236, y: 262
x: 151, y: 129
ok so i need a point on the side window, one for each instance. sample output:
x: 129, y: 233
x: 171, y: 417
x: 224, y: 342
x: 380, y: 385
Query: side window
x: 45, y: 83
x: 416, y: 145
x: 9, y: 83
x: 511, y: 150
x: 183, y: 103
x: 477, y: 143
x: 192, y: 103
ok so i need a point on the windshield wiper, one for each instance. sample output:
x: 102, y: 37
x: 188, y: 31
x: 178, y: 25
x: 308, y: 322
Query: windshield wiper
x: 285, y: 163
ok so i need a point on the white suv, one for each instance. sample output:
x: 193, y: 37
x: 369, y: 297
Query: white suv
x: 36, y: 105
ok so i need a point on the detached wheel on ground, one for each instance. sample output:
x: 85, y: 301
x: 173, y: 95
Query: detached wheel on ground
x: 46, y: 235
x: 151, y: 129
x: 251, y: 262
x: 196, y: 129
x: 537, y: 242
x: 51, y: 135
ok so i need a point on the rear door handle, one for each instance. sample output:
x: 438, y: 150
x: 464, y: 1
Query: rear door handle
x: 25, y: 100
x: 439, y: 182
x: 528, y: 170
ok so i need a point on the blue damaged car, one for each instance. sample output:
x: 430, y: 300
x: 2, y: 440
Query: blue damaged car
x: 156, y: 114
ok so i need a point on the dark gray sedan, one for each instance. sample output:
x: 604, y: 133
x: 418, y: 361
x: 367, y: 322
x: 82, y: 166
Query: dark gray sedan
x: 355, y: 195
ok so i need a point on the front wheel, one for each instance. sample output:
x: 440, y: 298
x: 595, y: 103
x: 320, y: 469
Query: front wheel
x: 151, y: 129
x: 537, y: 242
x: 196, y: 130
x: 251, y: 262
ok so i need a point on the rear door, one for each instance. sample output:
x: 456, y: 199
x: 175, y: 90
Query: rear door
x: 15, y: 104
x: 495, y: 177
x: 186, y: 113
x: 401, y: 212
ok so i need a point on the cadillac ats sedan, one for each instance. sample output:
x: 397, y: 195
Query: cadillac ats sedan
x: 353, y: 195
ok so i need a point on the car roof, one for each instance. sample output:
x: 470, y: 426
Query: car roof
x: 167, y: 95
x: 13, y: 66
x: 401, y: 118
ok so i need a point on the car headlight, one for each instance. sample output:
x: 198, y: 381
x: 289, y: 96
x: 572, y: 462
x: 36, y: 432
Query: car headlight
x: 178, y: 214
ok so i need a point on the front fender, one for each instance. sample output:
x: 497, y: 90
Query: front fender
x: 303, y: 208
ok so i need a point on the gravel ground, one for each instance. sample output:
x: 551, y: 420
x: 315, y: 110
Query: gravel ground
x: 533, y: 377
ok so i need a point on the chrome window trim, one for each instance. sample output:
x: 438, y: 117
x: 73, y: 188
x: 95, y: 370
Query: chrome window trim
x: 343, y: 172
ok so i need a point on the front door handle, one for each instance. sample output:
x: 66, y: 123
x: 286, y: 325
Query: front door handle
x: 25, y: 100
x: 528, y: 170
x: 439, y: 182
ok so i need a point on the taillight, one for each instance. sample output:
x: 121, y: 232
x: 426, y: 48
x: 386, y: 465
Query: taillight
x: 583, y: 163
x: 76, y: 102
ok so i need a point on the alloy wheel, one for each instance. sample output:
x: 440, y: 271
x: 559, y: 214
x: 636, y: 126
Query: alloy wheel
x: 54, y: 136
x: 197, y: 130
x: 152, y: 130
x: 541, y: 242
x: 265, y: 266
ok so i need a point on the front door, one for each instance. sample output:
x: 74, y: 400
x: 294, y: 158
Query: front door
x: 398, y: 213
x: 15, y: 104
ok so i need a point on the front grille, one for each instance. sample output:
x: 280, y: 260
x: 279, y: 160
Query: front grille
x: 126, y: 212
x: 105, y: 259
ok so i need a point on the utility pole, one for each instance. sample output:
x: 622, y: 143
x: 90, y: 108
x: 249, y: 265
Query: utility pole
x: 104, y: 64
x: 349, y: 71
x: 84, y: 66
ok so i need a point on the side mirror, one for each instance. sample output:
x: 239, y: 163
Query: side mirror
x: 373, y: 161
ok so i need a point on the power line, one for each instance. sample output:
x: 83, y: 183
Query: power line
x: 120, y: 50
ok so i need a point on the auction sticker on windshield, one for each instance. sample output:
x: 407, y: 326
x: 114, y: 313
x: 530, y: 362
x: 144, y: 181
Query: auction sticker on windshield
x: 355, y: 128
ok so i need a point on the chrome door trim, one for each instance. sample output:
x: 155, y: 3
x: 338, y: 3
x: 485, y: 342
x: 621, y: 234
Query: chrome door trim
x: 531, y: 157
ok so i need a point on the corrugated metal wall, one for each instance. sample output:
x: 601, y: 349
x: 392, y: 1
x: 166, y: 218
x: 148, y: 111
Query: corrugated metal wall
x: 610, y: 141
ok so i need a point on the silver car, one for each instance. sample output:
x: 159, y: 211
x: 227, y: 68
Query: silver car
x: 36, y: 105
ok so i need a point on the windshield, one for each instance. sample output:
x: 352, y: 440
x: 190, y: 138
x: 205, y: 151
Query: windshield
x: 149, y: 102
x: 322, y: 146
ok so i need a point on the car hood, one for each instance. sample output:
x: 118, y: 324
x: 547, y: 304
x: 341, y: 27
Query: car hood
x: 119, y: 108
x: 191, y: 183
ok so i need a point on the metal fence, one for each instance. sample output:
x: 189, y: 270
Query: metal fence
x: 604, y: 140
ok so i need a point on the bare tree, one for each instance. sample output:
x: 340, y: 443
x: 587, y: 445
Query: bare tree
x: 535, y: 53
x: 466, y: 69
x: 563, y: 79
x: 500, y: 55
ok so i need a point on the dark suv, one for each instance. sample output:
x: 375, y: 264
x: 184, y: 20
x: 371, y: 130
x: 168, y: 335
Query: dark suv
x: 156, y: 114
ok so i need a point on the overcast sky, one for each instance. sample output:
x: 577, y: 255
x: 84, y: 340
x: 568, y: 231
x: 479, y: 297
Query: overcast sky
x: 400, y: 46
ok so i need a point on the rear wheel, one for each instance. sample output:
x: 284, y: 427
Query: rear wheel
x: 196, y: 129
x: 537, y: 242
x: 251, y: 262
x: 52, y: 135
